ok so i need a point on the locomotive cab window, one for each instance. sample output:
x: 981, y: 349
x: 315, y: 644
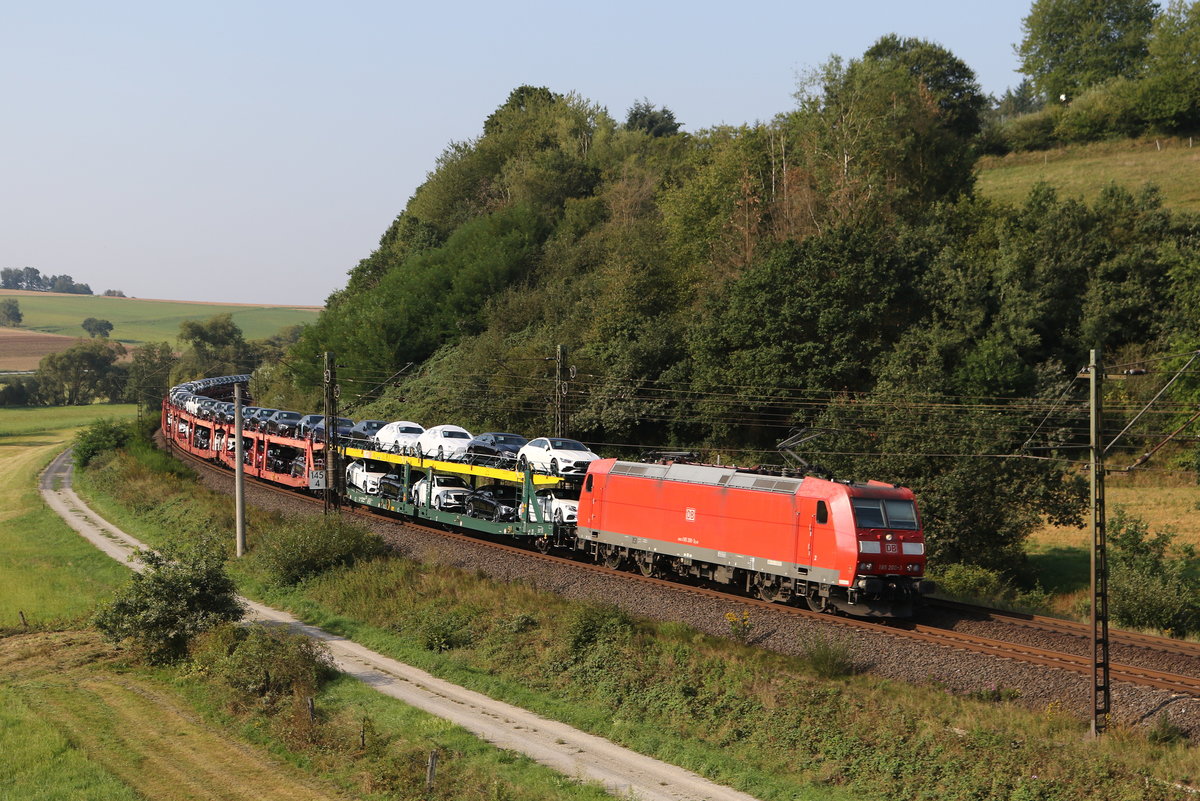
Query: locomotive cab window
x: 901, y: 514
x: 822, y: 512
x: 880, y: 513
x: 587, y: 484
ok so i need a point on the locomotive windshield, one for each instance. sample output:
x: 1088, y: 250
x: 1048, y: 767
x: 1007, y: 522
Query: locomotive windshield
x: 884, y: 513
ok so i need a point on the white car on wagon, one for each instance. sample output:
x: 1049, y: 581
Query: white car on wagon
x: 398, y: 437
x: 557, y: 456
x: 443, y: 442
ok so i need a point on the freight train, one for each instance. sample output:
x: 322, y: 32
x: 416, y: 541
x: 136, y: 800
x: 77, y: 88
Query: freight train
x: 835, y: 546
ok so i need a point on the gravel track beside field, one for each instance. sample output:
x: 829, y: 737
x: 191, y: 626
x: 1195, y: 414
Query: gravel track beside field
x: 883, y: 655
x: 574, y: 753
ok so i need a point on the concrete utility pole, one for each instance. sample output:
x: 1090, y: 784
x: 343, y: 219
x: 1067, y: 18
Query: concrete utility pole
x: 239, y: 475
x: 332, y: 500
x: 560, y: 391
x: 1101, y: 688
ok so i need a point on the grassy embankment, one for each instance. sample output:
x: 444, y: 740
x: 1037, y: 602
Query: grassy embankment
x: 768, y: 724
x: 1084, y: 170
x: 79, y: 721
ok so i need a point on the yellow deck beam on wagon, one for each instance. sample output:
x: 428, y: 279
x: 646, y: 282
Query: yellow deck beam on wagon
x: 494, y: 473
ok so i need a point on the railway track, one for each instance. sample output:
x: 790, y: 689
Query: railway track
x: 931, y: 634
x: 1071, y: 628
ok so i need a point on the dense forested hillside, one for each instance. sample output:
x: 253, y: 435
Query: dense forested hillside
x: 829, y: 268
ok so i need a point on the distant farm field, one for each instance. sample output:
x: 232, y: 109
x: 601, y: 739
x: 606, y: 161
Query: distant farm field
x: 21, y: 349
x: 1173, y: 165
x: 135, y: 320
x: 53, y: 322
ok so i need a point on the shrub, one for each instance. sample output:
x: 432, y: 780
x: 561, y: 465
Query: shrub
x: 175, y: 599
x: 1164, y: 731
x: 973, y: 582
x: 1031, y: 131
x: 100, y: 437
x: 306, y: 546
x: 829, y: 658
x: 1148, y: 585
x: 155, y: 460
x: 269, y: 664
x: 595, y: 624
x: 443, y: 630
x: 1102, y: 112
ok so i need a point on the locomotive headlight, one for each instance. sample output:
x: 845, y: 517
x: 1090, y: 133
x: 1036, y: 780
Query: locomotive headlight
x: 889, y: 537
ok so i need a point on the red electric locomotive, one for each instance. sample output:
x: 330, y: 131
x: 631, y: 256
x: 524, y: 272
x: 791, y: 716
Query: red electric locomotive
x: 854, y: 547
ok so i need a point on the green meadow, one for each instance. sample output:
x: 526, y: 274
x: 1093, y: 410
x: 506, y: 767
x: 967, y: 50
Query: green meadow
x: 1173, y: 165
x: 136, y: 321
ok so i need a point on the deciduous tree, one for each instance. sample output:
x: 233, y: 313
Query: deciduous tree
x: 10, y: 312
x: 97, y: 327
x: 1070, y: 45
x: 80, y: 374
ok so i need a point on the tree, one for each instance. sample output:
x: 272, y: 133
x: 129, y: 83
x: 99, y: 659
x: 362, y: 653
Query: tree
x: 179, y: 596
x: 1022, y: 99
x: 876, y: 136
x: 214, y: 346
x: 97, y: 327
x: 10, y: 278
x: 79, y: 374
x: 643, y: 116
x: 1170, y: 90
x: 945, y: 76
x: 113, y: 293
x: 150, y: 374
x: 10, y: 312
x: 1071, y: 45
x: 66, y: 284
x: 32, y: 280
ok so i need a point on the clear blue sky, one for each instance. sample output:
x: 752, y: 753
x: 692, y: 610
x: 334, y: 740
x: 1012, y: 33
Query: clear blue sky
x: 255, y: 151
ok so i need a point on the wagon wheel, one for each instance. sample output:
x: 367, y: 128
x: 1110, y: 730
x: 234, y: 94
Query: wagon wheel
x: 543, y: 544
x: 646, y: 563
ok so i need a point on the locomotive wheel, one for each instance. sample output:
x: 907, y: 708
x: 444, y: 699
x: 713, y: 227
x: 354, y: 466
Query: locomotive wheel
x: 646, y: 563
x: 767, y: 590
x: 815, y: 602
x: 611, y: 558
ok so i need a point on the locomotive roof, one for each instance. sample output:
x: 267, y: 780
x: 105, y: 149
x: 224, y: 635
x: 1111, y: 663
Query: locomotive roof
x: 739, y: 479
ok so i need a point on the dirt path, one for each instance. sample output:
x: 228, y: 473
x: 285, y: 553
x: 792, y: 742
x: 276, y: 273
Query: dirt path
x: 571, y: 752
